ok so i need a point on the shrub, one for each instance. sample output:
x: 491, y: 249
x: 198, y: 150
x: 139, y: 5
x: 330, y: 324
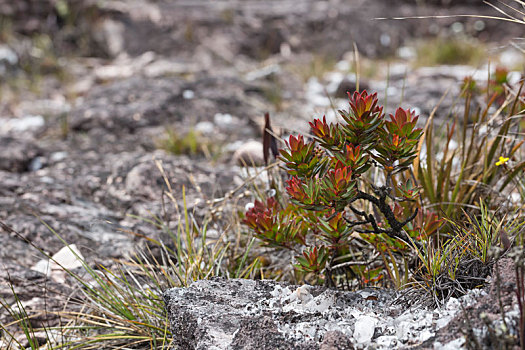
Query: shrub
x: 329, y: 202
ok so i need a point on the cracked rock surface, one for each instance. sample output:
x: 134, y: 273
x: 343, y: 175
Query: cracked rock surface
x: 247, y: 314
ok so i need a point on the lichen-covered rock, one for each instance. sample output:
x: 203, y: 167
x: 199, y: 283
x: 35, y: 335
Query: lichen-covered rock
x: 247, y: 314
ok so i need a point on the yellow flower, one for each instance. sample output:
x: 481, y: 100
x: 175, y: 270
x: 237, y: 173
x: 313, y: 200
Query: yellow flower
x: 502, y: 160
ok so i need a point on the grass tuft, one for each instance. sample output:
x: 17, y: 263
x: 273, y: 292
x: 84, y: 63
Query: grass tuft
x: 451, y: 51
x: 191, y: 143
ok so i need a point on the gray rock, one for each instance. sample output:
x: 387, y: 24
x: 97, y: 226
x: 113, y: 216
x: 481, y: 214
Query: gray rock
x: 348, y: 84
x: 336, y: 340
x: 249, y: 154
x: 8, y: 59
x: 123, y: 107
x: 28, y: 123
x: 248, y: 314
x: 127, y: 105
x: 17, y: 154
x: 255, y: 314
x: 45, y: 107
x: 8, y: 56
x: 109, y: 34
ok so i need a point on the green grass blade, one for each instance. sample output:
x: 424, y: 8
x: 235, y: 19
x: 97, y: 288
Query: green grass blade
x: 244, y: 257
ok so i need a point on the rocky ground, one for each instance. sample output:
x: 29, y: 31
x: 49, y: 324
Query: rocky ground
x: 89, y: 90
x: 247, y: 314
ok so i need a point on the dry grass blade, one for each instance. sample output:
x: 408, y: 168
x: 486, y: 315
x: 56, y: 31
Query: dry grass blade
x: 507, y: 17
x: 513, y: 20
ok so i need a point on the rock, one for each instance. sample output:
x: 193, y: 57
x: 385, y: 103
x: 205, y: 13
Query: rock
x: 109, y: 34
x: 29, y: 15
x: 205, y: 128
x: 364, y: 329
x: 8, y: 59
x: 36, y: 164
x: 483, y: 311
x: 162, y: 67
x: 249, y: 154
x: 451, y: 345
x: 261, y: 333
x: 348, y: 84
x: 29, y: 123
x: 233, y: 316
x: 46, y: 107
x: 126, y: 105
x: 48, y: 17
x: 247, y: 314
x: 446, y: 2
x: 336, y: 340
x: 17, y: 154
x: 67, y: 258
x: 124, y: 67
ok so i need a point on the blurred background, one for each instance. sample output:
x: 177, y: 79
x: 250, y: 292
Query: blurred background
x: 58, y: 50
